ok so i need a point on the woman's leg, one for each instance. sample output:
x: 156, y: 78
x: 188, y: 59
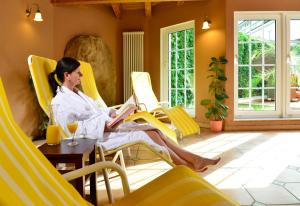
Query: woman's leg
x: 197, y: 161
x: 177, y: 160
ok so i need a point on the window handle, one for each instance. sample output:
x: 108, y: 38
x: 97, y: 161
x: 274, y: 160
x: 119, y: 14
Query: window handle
x: 236, y: 59
x: 288, y: 59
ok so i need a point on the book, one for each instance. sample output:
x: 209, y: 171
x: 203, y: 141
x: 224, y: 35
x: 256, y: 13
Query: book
x: 121, y: 115
x: 130, y: 101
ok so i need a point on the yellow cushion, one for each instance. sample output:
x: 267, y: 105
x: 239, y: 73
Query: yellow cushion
x: 141, y: 84
x: 26, y: 176
x: 154, y: 122
x: 40, y: 68
x: 179, y: 186
x: 182, y: 121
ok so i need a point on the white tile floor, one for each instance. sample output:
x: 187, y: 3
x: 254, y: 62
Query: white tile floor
x: 257, y: 168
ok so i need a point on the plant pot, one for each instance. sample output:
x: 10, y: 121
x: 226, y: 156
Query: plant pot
x: 216, y: 126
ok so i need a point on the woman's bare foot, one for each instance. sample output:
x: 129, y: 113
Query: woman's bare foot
x: 191, y: 166
x: 201, y: 170
x: 201, y: 163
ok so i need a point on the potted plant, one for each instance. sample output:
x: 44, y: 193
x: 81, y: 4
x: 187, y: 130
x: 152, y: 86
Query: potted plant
x: 216, y: 109
x: 294, y: 86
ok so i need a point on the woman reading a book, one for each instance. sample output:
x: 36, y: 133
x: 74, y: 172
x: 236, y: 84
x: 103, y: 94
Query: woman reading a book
x: 72, y: 105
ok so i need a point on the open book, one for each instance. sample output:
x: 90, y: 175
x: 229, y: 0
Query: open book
x: 121, y: 115
x: 130, y: 101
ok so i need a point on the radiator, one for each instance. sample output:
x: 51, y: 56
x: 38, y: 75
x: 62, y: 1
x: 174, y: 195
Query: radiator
x: 133, y: 58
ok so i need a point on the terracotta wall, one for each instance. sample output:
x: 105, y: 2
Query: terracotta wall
x: 98, y: 20
x: 19, y: 37
x: 254, y: 5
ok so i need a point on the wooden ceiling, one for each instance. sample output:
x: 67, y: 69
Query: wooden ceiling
x: 119, y: 5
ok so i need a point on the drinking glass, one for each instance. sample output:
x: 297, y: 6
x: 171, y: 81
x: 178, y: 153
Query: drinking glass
x: 52, y: 135
x: 72, y: 127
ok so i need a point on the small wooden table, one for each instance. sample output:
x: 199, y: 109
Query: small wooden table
x: 63, y: 153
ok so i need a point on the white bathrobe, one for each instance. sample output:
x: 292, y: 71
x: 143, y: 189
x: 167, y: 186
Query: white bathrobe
x: 69, y: 106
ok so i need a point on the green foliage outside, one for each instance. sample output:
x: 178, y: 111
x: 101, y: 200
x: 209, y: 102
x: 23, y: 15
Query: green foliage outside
x: 257, y: 76
x: 181, y: 72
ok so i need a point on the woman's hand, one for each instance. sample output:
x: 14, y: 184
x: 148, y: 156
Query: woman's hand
x: 108, y: 129
x: 112, y: 113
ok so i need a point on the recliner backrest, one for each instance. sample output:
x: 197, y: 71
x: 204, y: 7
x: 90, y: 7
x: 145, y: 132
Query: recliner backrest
x: 141, y: 84
x: 40, y: 68
x: 26, y: 176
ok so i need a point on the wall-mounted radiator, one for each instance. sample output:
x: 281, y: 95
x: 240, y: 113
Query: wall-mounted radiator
x: 133, y: 58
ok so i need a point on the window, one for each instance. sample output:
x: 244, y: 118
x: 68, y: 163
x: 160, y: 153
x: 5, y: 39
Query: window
x: 266, y: 83
x: 178, y: 69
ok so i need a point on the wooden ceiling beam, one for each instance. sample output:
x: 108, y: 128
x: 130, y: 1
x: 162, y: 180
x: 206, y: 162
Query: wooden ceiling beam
x: 74, y: 2
x: 148, y: 9
x: 117, y: 10
x: 180, y: 3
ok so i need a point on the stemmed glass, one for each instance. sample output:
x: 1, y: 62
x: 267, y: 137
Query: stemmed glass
x: 72, y: 127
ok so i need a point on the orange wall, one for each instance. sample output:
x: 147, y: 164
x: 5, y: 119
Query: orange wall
x: 20, y: 37
x: 253, y: 5
x: 70, y: 21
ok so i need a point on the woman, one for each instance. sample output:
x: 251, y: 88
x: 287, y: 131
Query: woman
x: 72, y: 105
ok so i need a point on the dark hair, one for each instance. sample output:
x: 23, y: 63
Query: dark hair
x: 66, y: 64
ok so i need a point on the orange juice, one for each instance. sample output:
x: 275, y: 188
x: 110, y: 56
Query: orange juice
x: 52, y: 135
x: 72, y: 127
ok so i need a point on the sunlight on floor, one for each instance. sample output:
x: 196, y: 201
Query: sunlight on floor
x: 257, y: 168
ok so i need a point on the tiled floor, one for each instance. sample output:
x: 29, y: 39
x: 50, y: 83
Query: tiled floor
x: 257, y: 168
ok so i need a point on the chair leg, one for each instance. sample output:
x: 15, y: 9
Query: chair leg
x: 122, y: 162
x: 119, y: 154
x: 105, y: 176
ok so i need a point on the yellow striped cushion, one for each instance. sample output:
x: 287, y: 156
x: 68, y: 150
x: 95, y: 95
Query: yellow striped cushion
x: 182, y: 120
x: 179, y: 186
x: 40, y: 68
x: 26, y: 176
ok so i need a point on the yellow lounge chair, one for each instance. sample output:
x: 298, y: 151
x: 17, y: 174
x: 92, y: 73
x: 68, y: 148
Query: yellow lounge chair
x: 141, y: 84
x: 40, y: 67
x: 28, y: 178
x: 89, y: 88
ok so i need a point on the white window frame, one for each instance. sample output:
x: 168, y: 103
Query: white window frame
x: 258, y: 16
x: 289, y: 16
x: 164, y: 59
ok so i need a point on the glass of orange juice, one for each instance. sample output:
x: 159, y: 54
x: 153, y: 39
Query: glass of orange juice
x: 53, y: 135
x: 72, y: 127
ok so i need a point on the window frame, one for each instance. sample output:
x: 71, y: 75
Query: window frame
x: 238, y: 114
x: 164, y: 60
x: 289, y: 16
